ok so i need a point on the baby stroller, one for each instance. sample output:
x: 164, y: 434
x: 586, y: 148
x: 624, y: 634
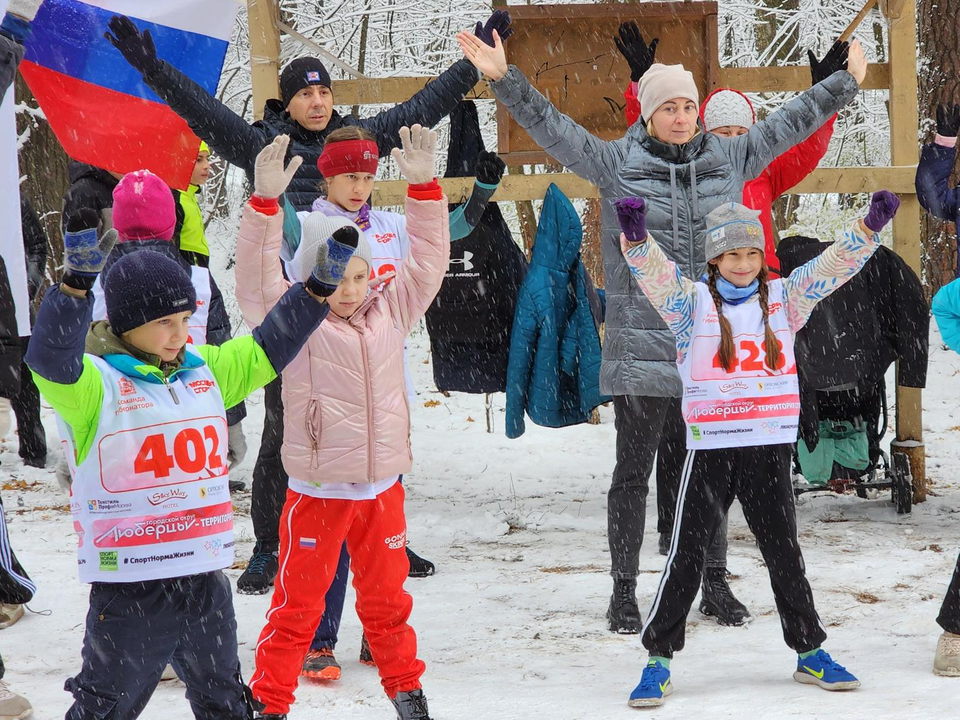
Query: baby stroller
x: 846, y: 452
x: 843, y: 353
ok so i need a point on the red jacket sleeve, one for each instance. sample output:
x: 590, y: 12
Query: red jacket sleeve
x: 800, y: 160
x: 632, y: 109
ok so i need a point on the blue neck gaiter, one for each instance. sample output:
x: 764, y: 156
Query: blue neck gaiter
x: 731, y: 293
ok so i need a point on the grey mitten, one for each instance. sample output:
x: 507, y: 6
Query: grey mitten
x: 85, y: 255
x: 332, y: 258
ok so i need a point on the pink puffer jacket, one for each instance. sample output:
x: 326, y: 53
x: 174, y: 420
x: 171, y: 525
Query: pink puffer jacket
x: 346, y: 417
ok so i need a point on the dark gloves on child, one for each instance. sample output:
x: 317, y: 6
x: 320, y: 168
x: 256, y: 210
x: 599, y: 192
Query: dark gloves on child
x: 633, y: 47
x: 948, y: 120
x: 83, y: 218
x: 85, y: 256
x: 332, y: 259
x: 137, y: 49
x: 835, y: 59
x: 499, y: 21
x: 490, y: 168
x: 883, y: 207
x: 632, y: 214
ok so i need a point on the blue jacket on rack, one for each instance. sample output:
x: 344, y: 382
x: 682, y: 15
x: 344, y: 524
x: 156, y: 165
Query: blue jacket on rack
x: 554, y: 368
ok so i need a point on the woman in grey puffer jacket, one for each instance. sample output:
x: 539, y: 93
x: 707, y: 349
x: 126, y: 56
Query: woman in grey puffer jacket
x: 683, y: 173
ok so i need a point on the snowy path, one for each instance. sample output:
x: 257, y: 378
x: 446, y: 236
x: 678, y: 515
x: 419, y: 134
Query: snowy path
x: 512, y: 627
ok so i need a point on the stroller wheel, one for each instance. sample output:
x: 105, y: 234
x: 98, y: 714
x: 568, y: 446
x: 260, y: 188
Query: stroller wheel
x: 902, y: 488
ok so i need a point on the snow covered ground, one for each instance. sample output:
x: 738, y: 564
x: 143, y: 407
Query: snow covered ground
x: 512, y: 626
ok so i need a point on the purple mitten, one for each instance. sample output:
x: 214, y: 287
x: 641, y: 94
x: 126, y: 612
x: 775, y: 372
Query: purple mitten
x: 632, y: 214
x: 883, y: 207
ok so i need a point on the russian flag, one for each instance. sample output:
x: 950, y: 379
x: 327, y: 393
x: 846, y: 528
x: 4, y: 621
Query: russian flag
x: 98, y: 105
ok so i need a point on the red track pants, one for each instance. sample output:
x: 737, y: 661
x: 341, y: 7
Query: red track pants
x: 312, y: 530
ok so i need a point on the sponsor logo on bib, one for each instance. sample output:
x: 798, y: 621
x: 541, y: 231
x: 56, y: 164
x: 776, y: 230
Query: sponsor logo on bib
x: 201, y: 386
x: 164, y: 496
x: 126, y: 387
x: 109, y: 561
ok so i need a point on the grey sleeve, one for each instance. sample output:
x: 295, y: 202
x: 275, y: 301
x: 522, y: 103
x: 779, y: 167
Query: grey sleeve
x: 791, y: 124
x: 563, y: 139
x: 11, y: 53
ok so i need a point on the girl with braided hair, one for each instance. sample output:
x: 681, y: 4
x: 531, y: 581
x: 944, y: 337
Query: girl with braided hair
x: 741, y: 405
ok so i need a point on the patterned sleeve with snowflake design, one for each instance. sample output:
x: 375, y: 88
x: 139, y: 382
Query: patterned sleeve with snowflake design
x: 673, y: 295
x: 815, y: 280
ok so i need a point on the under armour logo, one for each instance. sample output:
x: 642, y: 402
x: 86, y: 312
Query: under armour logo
x: 465, y: 260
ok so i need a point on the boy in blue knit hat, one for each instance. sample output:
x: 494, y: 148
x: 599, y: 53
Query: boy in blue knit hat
x: 142, y: 413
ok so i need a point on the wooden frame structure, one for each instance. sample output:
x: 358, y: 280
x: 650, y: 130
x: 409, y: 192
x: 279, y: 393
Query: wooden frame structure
x: 899, y: 76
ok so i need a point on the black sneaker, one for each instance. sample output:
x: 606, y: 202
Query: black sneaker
x: 271, y: 717
x: 664, y: 544
x: 623, y: 614
x: 258, y: 578
x: 35, y: 462
x: 366, y: 657
x: 419, y: 568
x: 411, y: 705
x: 717, y: 599
x: 236, y: 485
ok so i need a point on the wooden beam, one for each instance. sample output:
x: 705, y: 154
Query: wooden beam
x: 791, y: 77
x: 904, y: 121
x: 389, y: 91
x: 534, y: 187
x: 264, y: 34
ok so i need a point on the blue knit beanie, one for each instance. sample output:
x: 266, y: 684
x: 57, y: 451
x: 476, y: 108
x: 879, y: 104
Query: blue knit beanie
x: 143, y: 286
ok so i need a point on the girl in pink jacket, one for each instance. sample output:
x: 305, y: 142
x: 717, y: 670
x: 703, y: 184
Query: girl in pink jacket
x: 347, y: 436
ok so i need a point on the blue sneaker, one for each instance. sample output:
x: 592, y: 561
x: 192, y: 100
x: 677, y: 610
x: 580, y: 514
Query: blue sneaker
x: 654, y: 686
x: 820, y: 669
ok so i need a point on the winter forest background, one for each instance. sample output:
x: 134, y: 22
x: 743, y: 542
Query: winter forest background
x: 416, y: 37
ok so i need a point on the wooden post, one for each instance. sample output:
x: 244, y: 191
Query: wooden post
x: 904, y: 122
x: 264, y: 33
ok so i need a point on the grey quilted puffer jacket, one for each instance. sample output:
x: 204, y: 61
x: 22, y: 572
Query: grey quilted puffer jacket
x: 681, y: 184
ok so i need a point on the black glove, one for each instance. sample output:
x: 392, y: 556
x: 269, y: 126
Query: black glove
x: 835, y: 59
x: 137, y: 49
x: 635, y: 50
x: 948, y: 120
x: 490, y: 168
x: 499, y: 21
x: 85, y: 218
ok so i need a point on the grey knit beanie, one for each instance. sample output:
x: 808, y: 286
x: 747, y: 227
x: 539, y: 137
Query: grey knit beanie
x: 733, y: 226
x: 315, y: 229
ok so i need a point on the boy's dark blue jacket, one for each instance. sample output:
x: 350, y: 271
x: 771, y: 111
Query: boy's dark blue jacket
x: 933, y: 191
x: 554, y: 368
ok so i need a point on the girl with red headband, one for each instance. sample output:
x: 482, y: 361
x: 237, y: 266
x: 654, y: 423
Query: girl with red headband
x: 346, y: 434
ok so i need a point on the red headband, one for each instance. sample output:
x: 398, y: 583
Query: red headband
x: 348, y: 156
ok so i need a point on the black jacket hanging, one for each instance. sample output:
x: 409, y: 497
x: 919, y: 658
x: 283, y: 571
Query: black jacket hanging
x: 469, y: 321
x: 853, y: 336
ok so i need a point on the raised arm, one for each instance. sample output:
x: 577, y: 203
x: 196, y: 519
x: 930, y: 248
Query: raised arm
x: 465, y: 218
x: 673, y: 295
x: 259, y: 273
x: 639, y: 56
x: 823, y: 275
x: 422, y: 272
x: 227, y: 134
x: 798, y: 119
x: 936, y: 165
x: 570, y: 144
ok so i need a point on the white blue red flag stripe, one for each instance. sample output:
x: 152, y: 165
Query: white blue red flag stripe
x: 98, y: 105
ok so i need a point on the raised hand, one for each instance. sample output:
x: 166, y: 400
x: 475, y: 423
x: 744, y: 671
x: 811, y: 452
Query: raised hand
x: 856, y: 62
x: 418, y: 160
x: 835, y: 59
x: 499, y: 21
x: 490, y: 168
x: 632, y: 214
x: 331, y: 261
x: 270, y: 178
x: 634, y: 48
x: 491, y: 61
x: 137, y: 49
x: 948, y: 120
x: 883, y: 206
x: 85, y: 255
